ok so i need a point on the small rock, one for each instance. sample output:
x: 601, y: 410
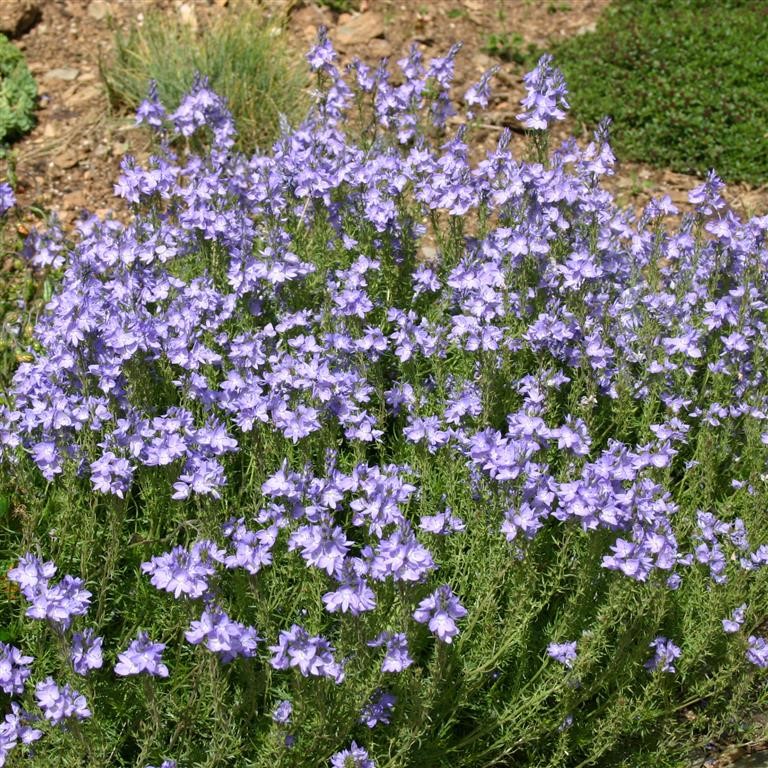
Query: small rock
x: 66, y: 159
x: 62, y: 73
x: 17, y: 17
x: 428, y: 254
x: 99, y: 10
x: 360, y: 29
x: 586, y: 29
x: 83, y: 95
x: 378, y: 48
x: 308, y: 19
x: 475, y: 10
x: 74, y: 201
x: 187, y: 16
x: 119, y: 148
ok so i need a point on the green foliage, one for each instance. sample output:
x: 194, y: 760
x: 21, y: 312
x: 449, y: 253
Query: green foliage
x: 684, y: 81
x: 18, y: 92
x: 511, y: 47
x: 245, y: 57
x: 340, y: 6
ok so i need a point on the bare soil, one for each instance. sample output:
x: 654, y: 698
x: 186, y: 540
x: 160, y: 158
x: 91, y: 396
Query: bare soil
x: 70, y: 161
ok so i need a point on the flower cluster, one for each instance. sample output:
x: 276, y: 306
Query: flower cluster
x: 7, y: 198
x: 142, y: 655
x: 59, y: 703
x: 58, y: 603
x: 269, y: 335
x: 665, y: 654
x: 565, y: 653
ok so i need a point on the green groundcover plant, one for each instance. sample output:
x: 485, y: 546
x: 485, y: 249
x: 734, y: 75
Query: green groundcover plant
x: 280, y: 491
x: 18, y: 93
x: 244, y: 55
x: 683, y: 80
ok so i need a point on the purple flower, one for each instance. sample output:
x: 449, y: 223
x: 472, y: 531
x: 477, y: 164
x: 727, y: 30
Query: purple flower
x: 165, y: 764
x: 378, y: 709
x: 142, y: 655
x: 565, y: 653
x: 443, y: 523
x: 733, y: 624
x: 14, y: 729
x: 282, y: 712
x: 545, y: 100
x: 7, y: 198
x: 229, y: 639
x: 757, y: 651
x: 400, y: 556
x: 397, y: 657
x: 312, y: 655
x: 322, y: 56
x: 253, y: 549
x: 440, y: 610
x: 322, y: 546
x: 151, y: 110
x: 14, y: 669
x: 665, y: 654
x: 48, y: 459
x: 86, y: 652
x: 354, y: 757
x: 31, y: 573
x: 59, y: 704
x: 58, y: 603
x: 353, y: 593
x: 185, y: 572
x: 479, y: 93
x: 111, y: 474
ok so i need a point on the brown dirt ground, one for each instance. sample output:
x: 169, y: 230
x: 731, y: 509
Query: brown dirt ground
x: 70, y: 161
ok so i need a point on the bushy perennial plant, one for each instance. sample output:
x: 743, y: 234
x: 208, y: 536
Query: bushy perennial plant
x: 333, y: 502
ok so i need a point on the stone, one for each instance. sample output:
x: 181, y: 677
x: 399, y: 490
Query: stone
x: 586, y: 29
x: 188, y: 17
x: 378, y: 48
x: 17, y: 17
x: 307, y: 19
x: 475, y: 10
x: 99, y: 10
x: 62, y: 73
x: 119, y: 148
x: 482, y: 62
x: 74, y: 201
x: 66, y: 159
x: 83, y: 95
x: 428, y: 254
x: 360, y: 30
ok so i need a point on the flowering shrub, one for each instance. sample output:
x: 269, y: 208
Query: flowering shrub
x: 331, y: 501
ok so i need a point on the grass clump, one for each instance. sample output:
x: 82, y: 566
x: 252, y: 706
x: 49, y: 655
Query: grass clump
x: 340, y: 6
x: 511, y: 47
x: 683, y: 80
x: 18, y: 92
x: 245, y: 57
